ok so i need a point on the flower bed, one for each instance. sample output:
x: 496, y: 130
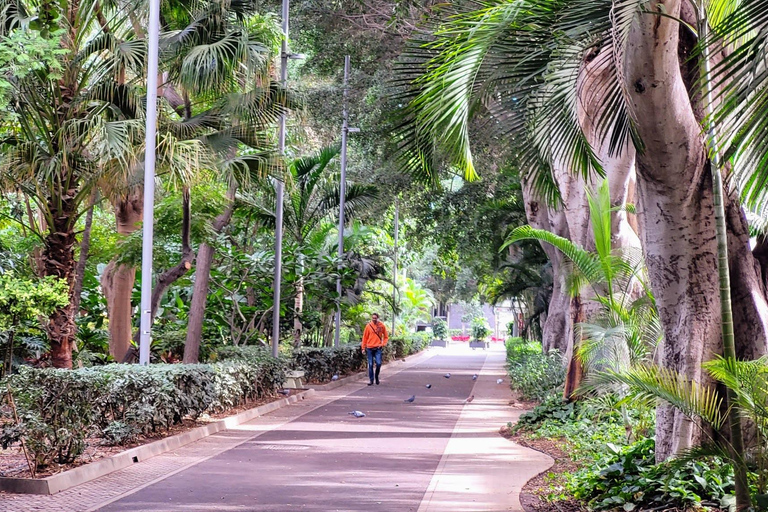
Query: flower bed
x: 460, y: 338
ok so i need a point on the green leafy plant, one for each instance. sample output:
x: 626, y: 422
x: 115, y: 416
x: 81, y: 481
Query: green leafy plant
x: 440, y: 328
x: 628, y: 477
x: 480, y: 329
x: 532, y: 373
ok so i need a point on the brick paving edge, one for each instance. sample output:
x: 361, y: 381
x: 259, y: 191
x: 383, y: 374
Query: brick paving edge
x: 82, y: 474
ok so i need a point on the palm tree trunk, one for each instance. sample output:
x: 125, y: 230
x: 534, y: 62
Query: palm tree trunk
x: 298, y: 307
x: 202, y: 278
x: 59, y: 261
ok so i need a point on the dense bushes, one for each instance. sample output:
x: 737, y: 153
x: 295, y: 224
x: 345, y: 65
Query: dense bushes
x: 532, y: 373
x: 60, y: 409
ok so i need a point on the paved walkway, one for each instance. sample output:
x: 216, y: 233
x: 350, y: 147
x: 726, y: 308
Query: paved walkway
x: 435, y: 454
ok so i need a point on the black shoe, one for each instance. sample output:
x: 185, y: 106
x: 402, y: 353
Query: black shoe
x: 377, y: 382
x: 370, y: 383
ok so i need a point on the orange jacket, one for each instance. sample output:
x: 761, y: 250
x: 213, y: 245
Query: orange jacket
x: 375, y: 336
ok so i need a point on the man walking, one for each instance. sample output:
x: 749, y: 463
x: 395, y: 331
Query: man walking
x: 375, y: 338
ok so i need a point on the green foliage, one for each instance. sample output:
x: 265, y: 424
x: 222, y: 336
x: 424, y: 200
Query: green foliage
x: 532, y: 373
x: 25, y: 299
x: 60, y: 409
x: 440, y: 328
x: 480, y: 328
x: 405, y: 345
x: 628, y: 477
x: 320, y: 364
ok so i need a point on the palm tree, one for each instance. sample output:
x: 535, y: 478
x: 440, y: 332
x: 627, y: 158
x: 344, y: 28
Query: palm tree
x: 312, y: 195
x: 63, y: 130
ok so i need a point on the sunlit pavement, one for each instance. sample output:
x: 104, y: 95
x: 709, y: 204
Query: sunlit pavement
x: 438, y: 453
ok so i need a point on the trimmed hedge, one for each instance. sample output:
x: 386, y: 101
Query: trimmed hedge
x: 320, y: 364
x: 60, y: 409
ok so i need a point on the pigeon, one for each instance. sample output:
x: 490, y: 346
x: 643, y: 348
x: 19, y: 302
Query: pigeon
x: 447, y: 375
x: 474, y: 377
x: 499, y: 381
x: 472, y: 397
x: 410, y: 400
x: 429, y: 386
x: 357, y: 414
x: 335, y: 377
x: 285, y: 392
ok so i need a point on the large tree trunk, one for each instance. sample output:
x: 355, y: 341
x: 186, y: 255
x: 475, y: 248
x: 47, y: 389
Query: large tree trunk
x: 202, y: 278
x: 59, y: 261
x: 557, y: 329
x: 676, y: 217
x: 118, y: 280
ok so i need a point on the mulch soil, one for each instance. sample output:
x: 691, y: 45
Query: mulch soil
x: 14, y: 464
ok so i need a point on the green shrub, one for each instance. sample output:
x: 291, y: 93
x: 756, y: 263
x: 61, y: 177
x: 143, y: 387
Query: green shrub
x: 59, y: 409
x: 439, y: 329
x: 533, y: 374
x: 480, y: 329
x: 628, y: 477
x: 408, y: 344
x: 320, y: 364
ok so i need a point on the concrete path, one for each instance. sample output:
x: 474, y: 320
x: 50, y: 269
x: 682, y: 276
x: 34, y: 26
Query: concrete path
x: 435, y: 454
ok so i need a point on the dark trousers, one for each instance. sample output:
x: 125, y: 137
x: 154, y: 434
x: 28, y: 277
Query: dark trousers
x: 374, y: 354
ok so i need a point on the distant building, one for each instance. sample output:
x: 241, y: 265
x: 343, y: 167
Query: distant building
x: 498, y: 317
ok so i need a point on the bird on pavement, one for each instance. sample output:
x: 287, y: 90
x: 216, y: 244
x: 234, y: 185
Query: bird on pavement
x: 447, y: 375
x: 335, y: 377
x: 357, y: 414
x: 472, y: 397
x: 410, y: 400
x: 499, y: 381
x: 429, y: 386
x: 285, y: 392
x: 474, y: 377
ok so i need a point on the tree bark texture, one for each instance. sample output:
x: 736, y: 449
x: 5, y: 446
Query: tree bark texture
x: 202, y: 278
x: 59, y: 261
x: 676, y: 217
x: 118, y: 280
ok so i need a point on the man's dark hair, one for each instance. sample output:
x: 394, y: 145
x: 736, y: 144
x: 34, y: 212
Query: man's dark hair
x: 377, y: 315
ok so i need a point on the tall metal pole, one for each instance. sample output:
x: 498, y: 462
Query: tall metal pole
x: 145, y: 326
x: 342, y: 194
x: 280, y: 192
x: 394, y: 288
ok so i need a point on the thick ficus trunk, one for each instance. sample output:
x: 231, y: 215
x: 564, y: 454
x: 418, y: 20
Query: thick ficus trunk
x: 557, y: 329
x: 118, y: 280
x: 59, y: 261
x: 200, y: 289
x: 676, y: 216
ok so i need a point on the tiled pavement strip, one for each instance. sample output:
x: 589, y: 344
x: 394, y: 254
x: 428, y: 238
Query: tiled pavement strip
x: 97, y: 493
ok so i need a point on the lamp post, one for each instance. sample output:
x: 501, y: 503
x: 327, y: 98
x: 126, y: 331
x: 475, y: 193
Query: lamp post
x: 345, y: 131
x: 147, y: 234
x: 279, y: 193
x: 394, y: 259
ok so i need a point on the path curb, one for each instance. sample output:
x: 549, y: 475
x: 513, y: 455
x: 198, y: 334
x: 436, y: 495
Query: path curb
x: 85, y: 473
